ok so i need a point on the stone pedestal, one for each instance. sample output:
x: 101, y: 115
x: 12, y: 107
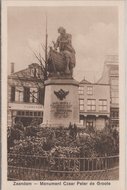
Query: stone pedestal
x: 61, y: 105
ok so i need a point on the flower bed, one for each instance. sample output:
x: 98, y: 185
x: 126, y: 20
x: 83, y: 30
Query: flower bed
x: 48, y: 142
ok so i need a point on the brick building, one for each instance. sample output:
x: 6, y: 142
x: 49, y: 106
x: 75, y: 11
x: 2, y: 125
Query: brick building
x: 25, y: 95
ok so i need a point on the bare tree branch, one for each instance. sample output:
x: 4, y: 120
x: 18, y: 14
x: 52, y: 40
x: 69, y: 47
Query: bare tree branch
x: 41, y: 61
x: 43, y: 47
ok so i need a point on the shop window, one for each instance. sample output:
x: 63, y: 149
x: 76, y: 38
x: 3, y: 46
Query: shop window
x: 89, y: 123
x: 91, y: 104
x: 89, y: 126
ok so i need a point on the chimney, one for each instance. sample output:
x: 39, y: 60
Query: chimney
x: 12, y: 67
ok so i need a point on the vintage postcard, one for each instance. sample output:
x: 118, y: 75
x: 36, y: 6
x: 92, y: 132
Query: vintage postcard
x: 63, y: 108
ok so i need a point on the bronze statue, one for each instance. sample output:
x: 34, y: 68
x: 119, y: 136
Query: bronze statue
x: 64, y: 60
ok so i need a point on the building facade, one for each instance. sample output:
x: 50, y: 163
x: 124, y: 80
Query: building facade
x: 111, y: 76
x: 98, y: 102
x: 25, y: 95
x: 94, y: 104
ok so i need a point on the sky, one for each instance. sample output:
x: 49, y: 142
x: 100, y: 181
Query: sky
x: 94, y: 31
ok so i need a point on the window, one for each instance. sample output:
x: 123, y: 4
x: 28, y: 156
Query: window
x: 114, y: 96
x: 114, y: 87
x: 114, y: 71
x: 27, y: 112
x: 19, y: 94
x: 41, y: 96
x: 114, y: 100
x: 103, y: 105
x: 81, y: 104
x: 115, y: 123
x: 114, y: 83
x: 22, y: 113
x: 91, y: 105
x: 81, y: 90
x: 39, y: 113
x: 33, y: 95
x: 26, y: 97
x: 35, y: 113
x: 34, y: 72
x: 89, y: 90
x: 12, y: 93
x: 115, y: 114
x: 31, y: 113
x: 19, y: 113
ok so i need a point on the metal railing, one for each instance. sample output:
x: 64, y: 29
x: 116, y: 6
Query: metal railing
x: 43, y: 167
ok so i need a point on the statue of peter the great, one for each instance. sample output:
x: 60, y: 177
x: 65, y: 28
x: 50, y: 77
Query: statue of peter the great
x: 64, y: 43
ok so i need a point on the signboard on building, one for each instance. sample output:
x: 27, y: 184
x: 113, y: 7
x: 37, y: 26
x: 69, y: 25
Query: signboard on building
x: 31, y: 107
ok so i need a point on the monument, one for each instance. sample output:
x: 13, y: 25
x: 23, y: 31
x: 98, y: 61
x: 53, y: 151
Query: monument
x: 61, y: 104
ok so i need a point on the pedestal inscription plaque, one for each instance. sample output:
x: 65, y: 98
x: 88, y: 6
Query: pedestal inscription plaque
x: 61, y: 102
x: 61, y: 109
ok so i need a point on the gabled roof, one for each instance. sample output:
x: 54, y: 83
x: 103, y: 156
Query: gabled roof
x: 84, y: 81
x: 25, y: 74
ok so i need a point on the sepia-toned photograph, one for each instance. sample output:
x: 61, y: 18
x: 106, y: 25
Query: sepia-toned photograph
x: 63, y: 93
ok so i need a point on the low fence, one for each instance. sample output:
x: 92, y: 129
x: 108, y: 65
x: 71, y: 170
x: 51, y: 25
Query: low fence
x: 32, y: 167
